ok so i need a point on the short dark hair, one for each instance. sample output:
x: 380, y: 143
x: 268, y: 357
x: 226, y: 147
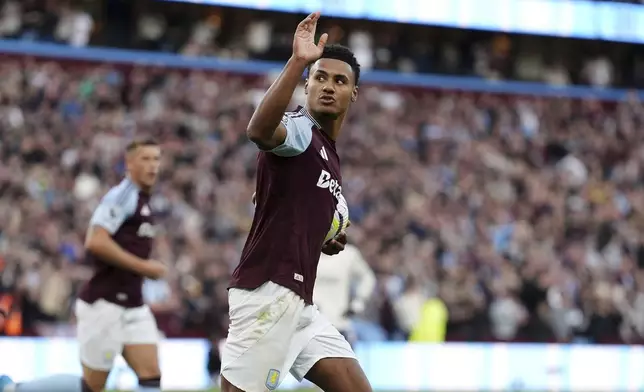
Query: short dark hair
x: 342, y: 53
x: 134, y: 144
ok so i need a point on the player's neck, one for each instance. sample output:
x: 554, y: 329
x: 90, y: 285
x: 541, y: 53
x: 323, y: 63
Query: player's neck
x: 333, y: 131
x: 139, y: 186
x: 144, y: 189
x: 331, y: 126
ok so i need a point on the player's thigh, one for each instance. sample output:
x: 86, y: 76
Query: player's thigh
x: 226, y: 386
x: 99, y: 333
x: 143, y: 359
x: 141, y: 338
x: 95, y: 379
x: 262, y: 324
x: 328, y: 361
x: 333, y: 374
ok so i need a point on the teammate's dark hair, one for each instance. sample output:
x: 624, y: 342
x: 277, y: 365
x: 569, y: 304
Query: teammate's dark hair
x: 133, y: 145
x: 342, y: 53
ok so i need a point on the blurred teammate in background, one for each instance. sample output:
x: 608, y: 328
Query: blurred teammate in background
x: 274, y: 327
x: 343, y: 286
x: 112, y: 318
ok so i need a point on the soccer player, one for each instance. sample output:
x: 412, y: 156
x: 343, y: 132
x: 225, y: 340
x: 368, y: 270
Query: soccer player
x: 112, y: 318
x: 274, y: 326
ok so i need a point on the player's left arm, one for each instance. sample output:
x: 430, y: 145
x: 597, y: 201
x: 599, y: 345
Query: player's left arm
x: 265, y: 128
x: 115, y: 208
x: 365, y: 278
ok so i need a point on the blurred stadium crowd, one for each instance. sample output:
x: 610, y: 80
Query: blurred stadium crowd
x: 193, y: 29
x: 523, y: 216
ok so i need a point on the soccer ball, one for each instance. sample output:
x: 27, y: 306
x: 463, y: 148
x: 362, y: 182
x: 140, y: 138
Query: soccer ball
x: 340, y: 220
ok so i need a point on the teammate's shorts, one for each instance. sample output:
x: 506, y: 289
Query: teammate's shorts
x: 272, y: 331
x: 103, y: 328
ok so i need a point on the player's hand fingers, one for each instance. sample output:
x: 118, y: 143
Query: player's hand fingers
x: 339, y: 247
x: 332, y: 247
x: 337, y: 244
x: 156, y: 270
x: 348, y: 224
x: 306, y: 22
x: 327, y: 250
x: 341, y: 238
x: 322, y: 42
x: 314, y: 16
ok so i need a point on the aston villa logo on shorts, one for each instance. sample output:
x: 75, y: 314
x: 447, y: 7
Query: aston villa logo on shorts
x: 108, y: 356
x: 273, y: 379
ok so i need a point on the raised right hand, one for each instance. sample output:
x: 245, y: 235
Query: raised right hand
x: 304, y: 46
x: 154, y: 269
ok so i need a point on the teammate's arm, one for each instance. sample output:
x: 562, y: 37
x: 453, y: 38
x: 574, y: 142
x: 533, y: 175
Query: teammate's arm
x: 106, y: 220
x: 100, y: 243
x: 265, y: 127
x: 365, y: 278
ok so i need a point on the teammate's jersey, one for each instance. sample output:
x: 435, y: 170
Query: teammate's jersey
x: 125, y: 213
x: 298, y: 190
x: 343, y: 280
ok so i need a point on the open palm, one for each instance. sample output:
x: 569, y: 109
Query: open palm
x: 304, y: 46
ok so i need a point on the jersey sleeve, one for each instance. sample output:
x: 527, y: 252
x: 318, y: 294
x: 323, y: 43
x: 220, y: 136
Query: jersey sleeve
x: 115, y: 207
x: 298, y: 136
x: 362, y: 273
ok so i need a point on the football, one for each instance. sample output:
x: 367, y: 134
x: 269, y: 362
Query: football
x: 340, y: 220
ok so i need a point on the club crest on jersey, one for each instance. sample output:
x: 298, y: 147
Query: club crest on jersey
x: 146, y: 230
x: 326, y: 181
x: 273, y: 379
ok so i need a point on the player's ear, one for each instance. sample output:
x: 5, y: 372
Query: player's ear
x: 306, y: 86
x: 354, y: 94
x: 129, y: 156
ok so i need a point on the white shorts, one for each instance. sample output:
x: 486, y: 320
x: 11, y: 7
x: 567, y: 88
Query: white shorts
x: 103, y: 328
x: 272, y: 331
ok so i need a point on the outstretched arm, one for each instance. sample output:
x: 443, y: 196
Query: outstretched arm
x: 265, y: 128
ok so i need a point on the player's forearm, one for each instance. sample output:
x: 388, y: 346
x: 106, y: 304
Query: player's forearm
x: 270, y: 110
x: 365, y: 288
x: 109, y: 251
x: 366, y: 279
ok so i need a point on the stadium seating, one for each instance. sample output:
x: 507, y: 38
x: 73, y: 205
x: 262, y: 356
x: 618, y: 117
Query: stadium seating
x: 515, y: 210
x: 522, y: 212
